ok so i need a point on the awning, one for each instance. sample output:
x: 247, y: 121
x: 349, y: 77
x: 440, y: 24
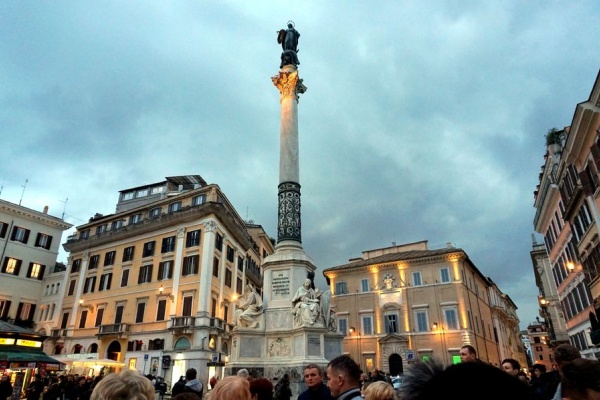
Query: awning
x: 27, y: 356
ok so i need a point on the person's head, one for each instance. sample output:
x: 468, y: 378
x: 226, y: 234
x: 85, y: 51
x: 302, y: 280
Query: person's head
x: 243, y: 373
x: 580, y: 379
x: 466, y: 381
x: 380, y: 390
x: 306, y: 284
x: 511, y: 366
x: 313, y: 376
x: 468, y: 353
x: 127, y: 384
x: 523, y: 376
x: 565, y: 353
x: 4, y: 378
x: 343, y: 374
x: 191, y: 374
x: 261, y: 389
x: 231, y: 388
x: 538, y: 369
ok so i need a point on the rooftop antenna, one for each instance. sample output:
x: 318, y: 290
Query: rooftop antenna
x: 23, y: 192
x: 64, y: 208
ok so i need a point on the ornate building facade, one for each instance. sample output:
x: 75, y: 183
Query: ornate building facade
x: 407, y: 302
x: 153, y: 286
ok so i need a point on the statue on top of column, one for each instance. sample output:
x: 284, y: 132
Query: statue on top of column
x: 288, y: 38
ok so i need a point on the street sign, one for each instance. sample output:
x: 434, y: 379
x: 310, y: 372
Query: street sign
x: 145, y: 357
x: 410, y: 355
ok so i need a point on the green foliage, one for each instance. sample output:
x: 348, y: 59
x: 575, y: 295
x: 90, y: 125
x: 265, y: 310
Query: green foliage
x: 552, y: 137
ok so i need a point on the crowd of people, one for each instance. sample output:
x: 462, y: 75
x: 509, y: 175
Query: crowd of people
x: 571, y: 378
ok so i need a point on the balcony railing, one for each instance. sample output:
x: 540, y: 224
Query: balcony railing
x: 59, y: 333
x: 217, y: 323
x: 113, y: 329
x: 182, y: 322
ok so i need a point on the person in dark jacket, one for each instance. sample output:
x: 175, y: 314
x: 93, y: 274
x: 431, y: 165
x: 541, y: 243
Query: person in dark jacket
x: 178, y: 387
x: 193, y: 385
x: 6, y: 388
x: 317, y: 390
x: 282, y: 389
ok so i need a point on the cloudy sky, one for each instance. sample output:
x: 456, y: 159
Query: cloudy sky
x: 422, y: 121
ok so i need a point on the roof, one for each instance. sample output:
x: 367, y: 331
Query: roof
x: 175, y: 180
x: 6, y: 327
x: 394, y: 257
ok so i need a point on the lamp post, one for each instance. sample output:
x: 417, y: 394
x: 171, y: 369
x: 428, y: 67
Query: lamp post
x: 435, y: 327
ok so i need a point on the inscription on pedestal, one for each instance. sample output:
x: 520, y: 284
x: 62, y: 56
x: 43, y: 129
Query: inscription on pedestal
x: 280, y: 285
x: 250, y: 347
x: 314, y: 345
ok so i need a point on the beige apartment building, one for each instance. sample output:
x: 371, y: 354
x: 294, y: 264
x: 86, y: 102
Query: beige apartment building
x: 407, y: 302
x: 153, y: 285
x: 29, y: 242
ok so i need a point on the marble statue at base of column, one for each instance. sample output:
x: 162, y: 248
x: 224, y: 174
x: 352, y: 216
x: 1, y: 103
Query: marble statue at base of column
x: 249, y: 309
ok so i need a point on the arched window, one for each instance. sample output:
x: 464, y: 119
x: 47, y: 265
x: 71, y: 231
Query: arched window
x: 93, y: 348
x: 183, y: 343
x: 77, y: 348
x: 58, y: 349
x: 225, y: 348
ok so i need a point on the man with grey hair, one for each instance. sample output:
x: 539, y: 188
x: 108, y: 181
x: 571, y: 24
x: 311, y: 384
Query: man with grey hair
x: 243, y: 373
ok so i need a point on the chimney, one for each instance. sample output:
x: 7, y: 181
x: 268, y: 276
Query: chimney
x: 45, y: 210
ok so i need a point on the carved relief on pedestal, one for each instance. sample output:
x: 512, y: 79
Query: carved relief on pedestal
x: 279, y: 347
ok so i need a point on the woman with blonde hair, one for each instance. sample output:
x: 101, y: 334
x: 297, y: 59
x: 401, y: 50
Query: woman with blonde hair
x: 380, y: 390
x: 126, y: 385
x: 231, y: 388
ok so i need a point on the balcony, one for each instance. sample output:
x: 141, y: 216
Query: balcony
x: 183, y: 324
x: 217, y: 325
x: 120, y: 330
x: 59, y: 333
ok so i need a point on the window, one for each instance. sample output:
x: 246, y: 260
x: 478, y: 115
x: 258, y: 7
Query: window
x: 116, y: 225
x: 216, y: 267
x: 174, y: 207
x: 128, y: 253
x: 25, y: 311
x: 230, y: 253
x: 145, y: 274
x: 228, y: 277
x: 20, y: 234
x: 4, y: 308
x: 168, y: 244
x: 201, y: 199
x: 101, y: 229
x: 43, y: 241
x: 84, y: 314
x: 155, y: 212
x: 165, y: 270
x: 445, y: 275
x: 421, y: 321
x: 190, y: 265
x: 238, y: 287
x: 161, y: 310
x: 127, y: 196
x: 391, y: 323
x: 193, y: 238
x: 219, y: 242
x: 119, y: 313
x: 3, y: 229
x: 99, y: 316
x: 105, y: 280
x: 142, y: 193
x: 139, y: 315
x: 186, y: 311
x: 416, y: 278
x: 36, y: 271
x: 94, y: 261
x: 364, y: 285
x: 451, y: 318
x: 76, y: 266
x: 367, y: 325
x: 65, y: 321
x: 158, y: 189
x: 135, y: 219
x: 11, y: 266
x: 109, y: 258
x: 125, y: 278
x: 240, y: 264
x: 343, y: 326
x: 90, y: 284
x: 84, y: 234
x: 72, y: 287
x: 148, y: 249
x: 340, y: 288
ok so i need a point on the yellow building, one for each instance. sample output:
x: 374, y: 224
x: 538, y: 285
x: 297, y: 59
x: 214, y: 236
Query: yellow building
x: 407, y: 302
x: 153, y: 285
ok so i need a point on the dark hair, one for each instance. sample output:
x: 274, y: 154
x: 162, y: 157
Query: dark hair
x: 514, y: 363
x: 470, y: 348
x: 565, y: 353
x: 348, y: 367
x: 539, y: 367
x: 429, y: 380
x: 191, y: 374
x: 579, y: 376
x: 261, y: 387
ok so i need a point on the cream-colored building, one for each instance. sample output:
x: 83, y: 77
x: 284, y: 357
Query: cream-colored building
x: 407, y: 302
x: 29, y: 243
x: 153, y: 286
